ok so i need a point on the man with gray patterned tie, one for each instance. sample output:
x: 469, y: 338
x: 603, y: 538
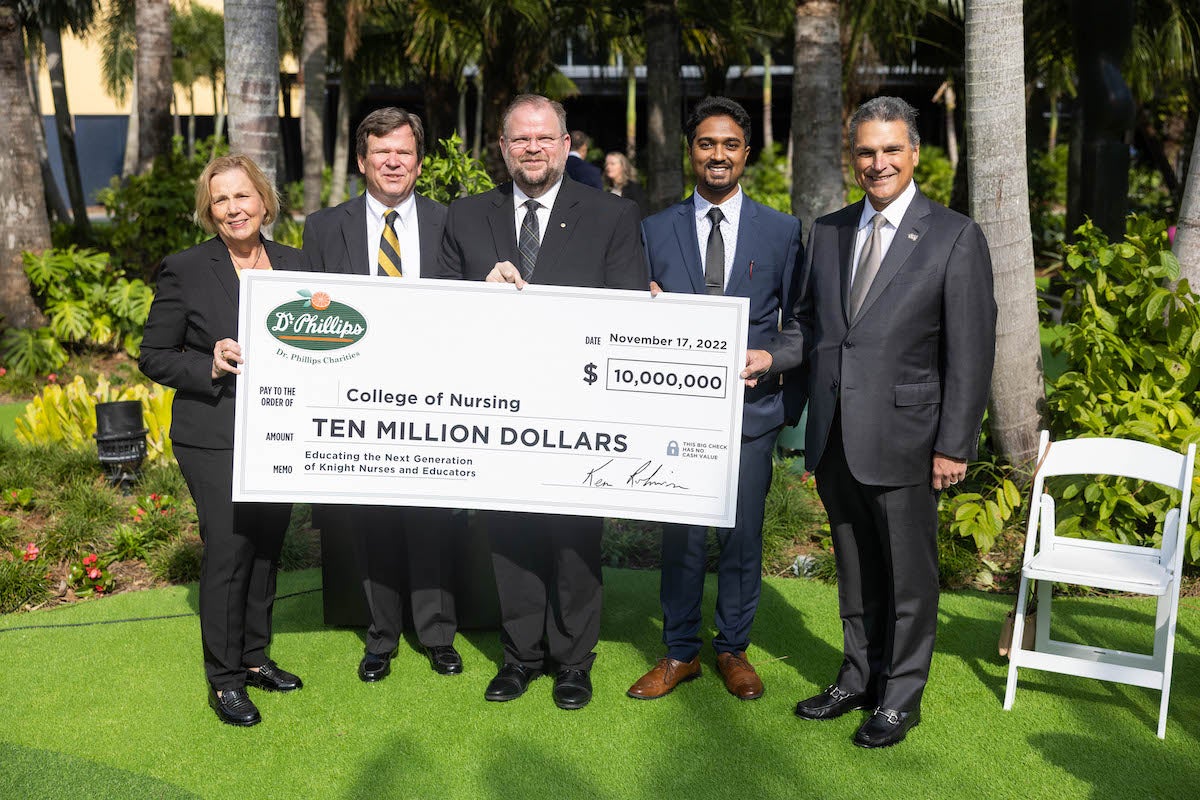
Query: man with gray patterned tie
x: 544, y: 228
x: 896, y: 323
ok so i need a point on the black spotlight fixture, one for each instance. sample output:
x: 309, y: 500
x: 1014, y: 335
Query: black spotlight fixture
x: 121, y: 441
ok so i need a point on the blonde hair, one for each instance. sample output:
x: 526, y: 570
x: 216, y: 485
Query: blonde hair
x: 627, y: 169
x: 222, y: 164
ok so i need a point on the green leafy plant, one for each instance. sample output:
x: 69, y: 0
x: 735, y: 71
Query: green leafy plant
x: 31, y: 351
x: 88, y: 577
x: 766, y: 180
x: 151, y: 213
x: 18, y: 498
x: 177, y: 561
x: 22, y: 584
x: 1132, y: 343
x: 128, y: 543
x: 448, y: 172
x: 158, y: 517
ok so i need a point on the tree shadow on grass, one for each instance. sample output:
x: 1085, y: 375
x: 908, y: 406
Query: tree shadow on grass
x: 1090, y: 757
x: 32, y: 773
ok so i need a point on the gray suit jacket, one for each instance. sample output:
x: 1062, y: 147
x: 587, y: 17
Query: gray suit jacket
x: 335, y: 239
x: 911, y: 373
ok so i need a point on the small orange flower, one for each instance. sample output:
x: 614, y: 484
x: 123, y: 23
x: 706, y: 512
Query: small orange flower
x: 93, y: 573
x: 320, y: 301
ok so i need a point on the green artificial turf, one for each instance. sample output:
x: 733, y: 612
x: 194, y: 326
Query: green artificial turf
x: 8, y: 413
x: 118, y: 710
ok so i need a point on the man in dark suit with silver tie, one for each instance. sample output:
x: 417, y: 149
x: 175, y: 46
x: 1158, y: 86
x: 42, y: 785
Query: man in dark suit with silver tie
x: 392, y: 232
x: 897, y: 325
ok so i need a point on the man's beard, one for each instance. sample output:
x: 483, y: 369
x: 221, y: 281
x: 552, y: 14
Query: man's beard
x: 522, y: 178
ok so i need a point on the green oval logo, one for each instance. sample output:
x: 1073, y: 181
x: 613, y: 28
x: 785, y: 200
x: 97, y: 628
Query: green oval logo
x: 316, y: 323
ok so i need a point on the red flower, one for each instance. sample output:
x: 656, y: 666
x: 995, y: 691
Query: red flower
x: 3, y: 372
x: 164, y: 512
x: 14, y: 494
x: 99, y: 588
x: 154, y: 497
x: 31, y: 551
x: 93, y: 573
x: 52, y: 378
x: 89, y: 559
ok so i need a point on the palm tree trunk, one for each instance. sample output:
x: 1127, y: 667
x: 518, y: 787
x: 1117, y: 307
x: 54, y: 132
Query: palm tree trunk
x: 1187, y: 232
x: 663, y: 100
x: 999, y: 202
x: 768, y: 132
x: 341, y: 143
x: 252, y: 80
x: 631, y: 113
x: 54, y: 200
x: 154, y: 83
x: 312, y: 59
x: 817, y: 182
x: 23, y: 223
x: 130, y: 162
x: 66, y: 132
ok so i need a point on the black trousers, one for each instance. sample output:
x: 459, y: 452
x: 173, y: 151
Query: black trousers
x: 398, y: 548
x: 885, y: 543
x: 550, y: 587
x: 242, y: 542
x: 739, y: 566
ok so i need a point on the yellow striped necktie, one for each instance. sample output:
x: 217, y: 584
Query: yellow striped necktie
x: 389, y: 246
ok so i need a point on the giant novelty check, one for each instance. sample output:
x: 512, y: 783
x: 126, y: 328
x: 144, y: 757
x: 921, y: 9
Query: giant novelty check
x: 471, y: 395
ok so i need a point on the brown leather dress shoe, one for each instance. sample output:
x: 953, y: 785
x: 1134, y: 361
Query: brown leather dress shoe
x: 740, y: 678
x: 666, y: 675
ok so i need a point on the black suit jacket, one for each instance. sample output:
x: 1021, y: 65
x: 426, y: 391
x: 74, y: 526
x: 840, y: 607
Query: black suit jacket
x: 335, y: 239
x: 583, y: 171
x: 592, y: 239
x: 911, y: 373
x: 196, y: 304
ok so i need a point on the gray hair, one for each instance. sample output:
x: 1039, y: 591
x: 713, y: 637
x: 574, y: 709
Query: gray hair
x: 886, y: 109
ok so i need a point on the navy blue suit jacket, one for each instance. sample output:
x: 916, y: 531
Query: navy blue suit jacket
x: 766, y: 269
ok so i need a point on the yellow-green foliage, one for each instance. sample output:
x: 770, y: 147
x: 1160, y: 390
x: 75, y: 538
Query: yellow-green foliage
x: 67, y: 413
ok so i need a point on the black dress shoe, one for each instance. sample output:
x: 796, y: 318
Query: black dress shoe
x: 234, y: 707
x: 572, y: 689
x: 273, y: 679
x: 374, y: 666
x: 886, y: 727
x: 444, y: 659
x: 832, y: 703
x: 510, y: 682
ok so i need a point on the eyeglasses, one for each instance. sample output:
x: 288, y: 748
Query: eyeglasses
x: 523, y: 142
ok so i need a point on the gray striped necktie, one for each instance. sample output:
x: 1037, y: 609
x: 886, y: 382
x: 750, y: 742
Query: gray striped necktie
x: 868, y: 265
x: 529, y: 241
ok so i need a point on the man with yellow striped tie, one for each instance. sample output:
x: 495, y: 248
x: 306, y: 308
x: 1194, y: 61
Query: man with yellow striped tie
x: 392, y: 232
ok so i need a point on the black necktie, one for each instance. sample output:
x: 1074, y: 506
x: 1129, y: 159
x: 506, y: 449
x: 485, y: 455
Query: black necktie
x: 529, y: 241
x: 714, y: 255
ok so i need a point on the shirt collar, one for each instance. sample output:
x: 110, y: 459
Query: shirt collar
x: 546, y: 200
x: 377, y: 209
x: 893, y: 212
x: 731, y: 208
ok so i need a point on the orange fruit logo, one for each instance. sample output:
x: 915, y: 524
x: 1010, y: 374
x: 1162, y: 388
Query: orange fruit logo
x: 320, y: 301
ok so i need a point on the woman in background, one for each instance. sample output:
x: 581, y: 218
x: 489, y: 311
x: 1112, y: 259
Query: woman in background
x: 190, y: 344
x: 620, y: 178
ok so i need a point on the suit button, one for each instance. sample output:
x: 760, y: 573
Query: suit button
x: 848, y: 345
x: 833, y: 385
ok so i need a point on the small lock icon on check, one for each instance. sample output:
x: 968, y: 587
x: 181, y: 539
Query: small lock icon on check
x: 672, y: 448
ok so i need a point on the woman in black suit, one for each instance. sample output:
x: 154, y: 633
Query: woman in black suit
x: 620, y: 178
x: 190, y: 343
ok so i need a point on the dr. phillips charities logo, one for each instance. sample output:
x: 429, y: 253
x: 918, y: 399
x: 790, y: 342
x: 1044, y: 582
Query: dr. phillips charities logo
x: 316, y: 323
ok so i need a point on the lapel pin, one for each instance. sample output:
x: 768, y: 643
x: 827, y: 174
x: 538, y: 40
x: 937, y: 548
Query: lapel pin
x: 562, y: 224
x: 912, y: 236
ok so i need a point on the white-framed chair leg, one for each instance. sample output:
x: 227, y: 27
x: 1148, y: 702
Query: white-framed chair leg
x: 1171, y: 600
x: 1010, y: 691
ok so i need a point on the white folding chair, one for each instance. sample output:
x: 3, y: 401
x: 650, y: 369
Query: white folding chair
x: 1051, y: 559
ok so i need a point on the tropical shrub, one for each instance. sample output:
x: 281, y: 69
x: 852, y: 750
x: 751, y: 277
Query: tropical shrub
x: 448, y: 172
x: 151, y: 213
x: 1132, y: 343
x: 766, y: 180
x: 68, y: 414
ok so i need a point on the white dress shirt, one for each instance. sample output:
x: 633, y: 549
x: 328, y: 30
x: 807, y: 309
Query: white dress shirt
x: 732, y: 210
x: 545, y: 205
x: 893, y: 212
x: 406, y: 234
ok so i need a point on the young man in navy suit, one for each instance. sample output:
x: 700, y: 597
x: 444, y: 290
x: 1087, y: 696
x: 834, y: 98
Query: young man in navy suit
x: 718, y: 241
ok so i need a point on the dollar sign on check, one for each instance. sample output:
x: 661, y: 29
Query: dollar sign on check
x: 589, y: 374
